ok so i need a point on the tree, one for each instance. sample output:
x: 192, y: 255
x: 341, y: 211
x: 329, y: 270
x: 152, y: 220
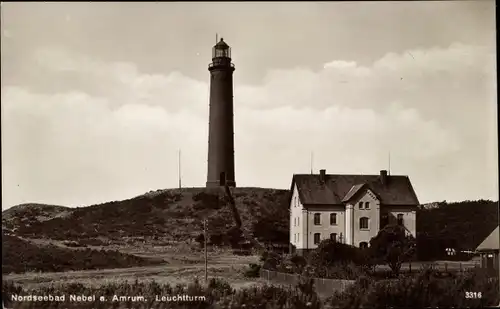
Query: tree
x: 393, y: 247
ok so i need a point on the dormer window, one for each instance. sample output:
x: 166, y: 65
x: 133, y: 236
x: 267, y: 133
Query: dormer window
x: 360, y: 205
x: 367, y: 205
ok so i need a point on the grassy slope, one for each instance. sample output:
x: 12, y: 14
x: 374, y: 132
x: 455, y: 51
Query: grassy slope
x: 169, y: 215
x: 19, y: 255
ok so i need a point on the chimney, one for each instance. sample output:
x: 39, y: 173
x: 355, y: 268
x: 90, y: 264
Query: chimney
x: 322, y: 176
x: 383, y: 177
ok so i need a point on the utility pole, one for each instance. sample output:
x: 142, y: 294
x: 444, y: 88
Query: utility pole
x: 206, y: 253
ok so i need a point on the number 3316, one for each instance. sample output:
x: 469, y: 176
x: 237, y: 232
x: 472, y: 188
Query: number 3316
x: 473, y: 295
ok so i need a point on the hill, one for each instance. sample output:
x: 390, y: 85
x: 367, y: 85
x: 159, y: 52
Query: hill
x: 462, y: 226
x: 175, y: 216
x: 163, y: 216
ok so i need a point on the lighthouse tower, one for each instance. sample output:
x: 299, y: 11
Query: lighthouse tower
x: 221, y: 121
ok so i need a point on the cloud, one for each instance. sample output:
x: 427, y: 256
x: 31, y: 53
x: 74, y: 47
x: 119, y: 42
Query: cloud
x: 116, y: 133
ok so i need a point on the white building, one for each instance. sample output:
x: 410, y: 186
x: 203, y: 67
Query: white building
x: 348, y: 208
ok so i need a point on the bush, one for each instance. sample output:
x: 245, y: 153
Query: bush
x: 298, y: 260
x: 427, y: 289
x: 272, y: 262
x: 253, y: 271
x: 219, y: 288
x: 341, y: 271
x: 330, y: 252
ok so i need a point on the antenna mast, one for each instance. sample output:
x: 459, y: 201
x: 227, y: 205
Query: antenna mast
x: 312, y: 158
x: 180, y: 185
x: 389, y: 170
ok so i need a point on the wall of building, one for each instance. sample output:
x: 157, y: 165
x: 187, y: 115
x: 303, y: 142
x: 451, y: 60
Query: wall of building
x: 409, y: 216
x: 221, y: 127
x: 348, y: 222
x: 325, y: 228
x: 296, y: 219
x: 373, y: 215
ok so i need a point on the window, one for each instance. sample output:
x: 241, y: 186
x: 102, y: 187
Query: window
x: 341, y: 238
x: 294, y: 237
x: 294, y: 221
x: 400, y: 219
x: 363, y: 245
x: 360, y: 205
x: 317, y: 238
x: 298, y: 237
x: 367, y: 205
x: 333, y: 236
x: 298, y: 221
x: 384, y: 220
x: 333, y: 219
x: 363, y: 223
x: 317, y: 219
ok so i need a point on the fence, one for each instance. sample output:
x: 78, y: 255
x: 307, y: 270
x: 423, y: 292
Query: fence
x: 322, y: 286
x: 451, y: 266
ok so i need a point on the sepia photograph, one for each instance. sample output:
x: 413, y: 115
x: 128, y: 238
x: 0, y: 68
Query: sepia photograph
x: 233, y: 155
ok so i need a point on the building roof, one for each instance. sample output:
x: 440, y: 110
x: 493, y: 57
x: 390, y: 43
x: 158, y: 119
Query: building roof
x: 354, y: 190
x: 337, y: 189
x: 491, y: 242
x: 221, y: 44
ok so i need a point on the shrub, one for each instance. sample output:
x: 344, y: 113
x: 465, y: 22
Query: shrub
x: 253, y: 271
x: 330, y: 252
x: 340, y: 270
x: 298, y: 262
x: 427, y: 289
x: 272, y: 262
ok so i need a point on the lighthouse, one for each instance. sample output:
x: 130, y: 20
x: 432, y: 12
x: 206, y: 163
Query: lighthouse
x: 221, y: 118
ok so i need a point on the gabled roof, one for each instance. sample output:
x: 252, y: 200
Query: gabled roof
x: 354, y: 192
x: 336, y: 189
x: 491, y: 242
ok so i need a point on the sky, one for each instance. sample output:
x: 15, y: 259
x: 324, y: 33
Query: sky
x: 98, y: 98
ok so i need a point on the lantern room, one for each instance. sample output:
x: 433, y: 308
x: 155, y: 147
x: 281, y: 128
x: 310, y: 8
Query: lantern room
x: 221, y: 50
